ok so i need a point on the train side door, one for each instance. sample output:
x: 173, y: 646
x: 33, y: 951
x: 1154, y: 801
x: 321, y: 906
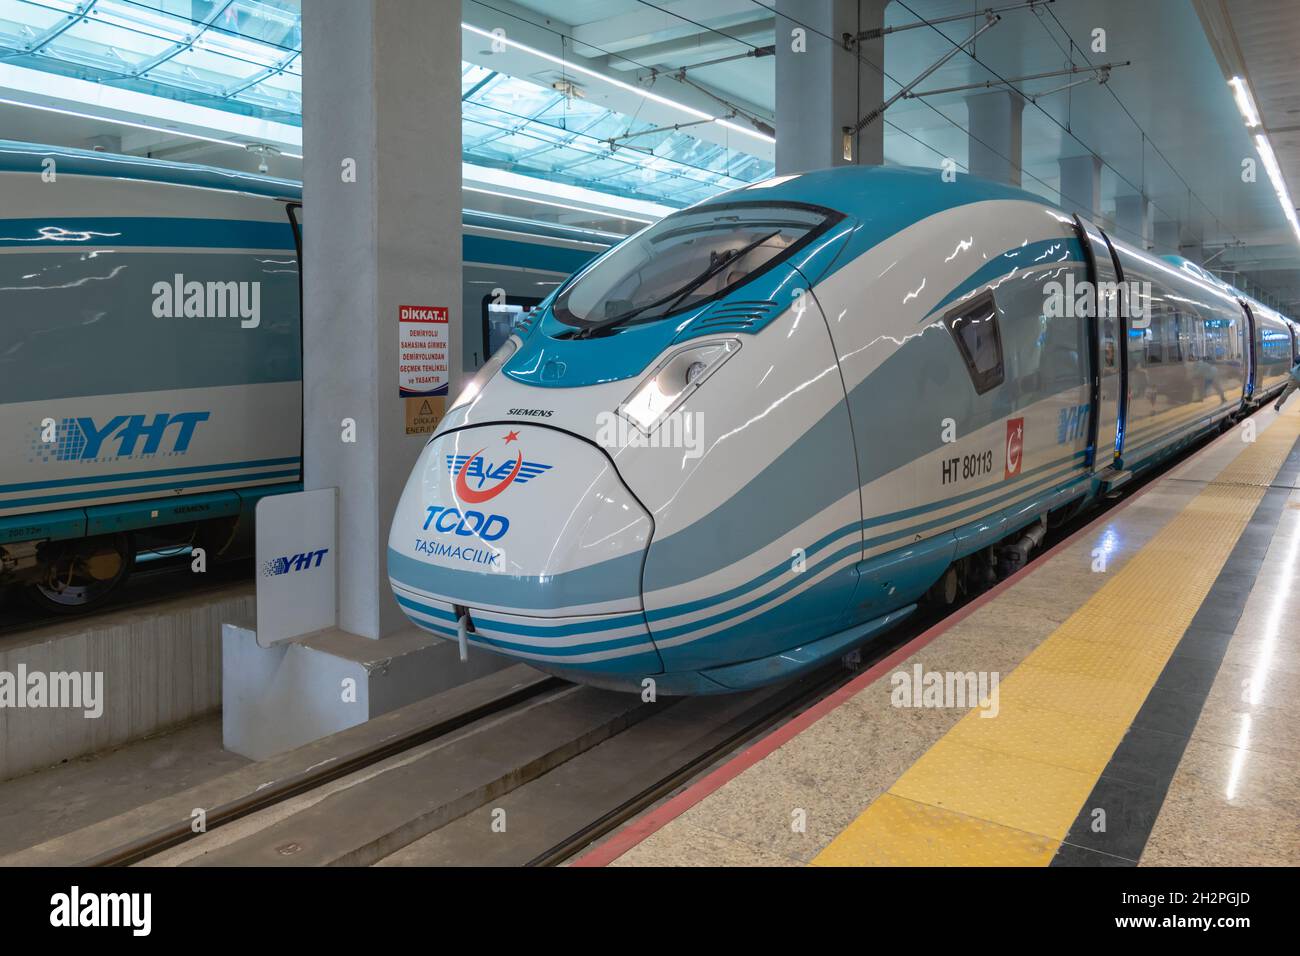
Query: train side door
x: 1106, y: 335
x: 294, y: 211
x: 1252, y: 351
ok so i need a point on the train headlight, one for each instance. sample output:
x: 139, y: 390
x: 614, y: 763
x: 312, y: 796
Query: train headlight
x: 673, y: 381
x: 493, y: 365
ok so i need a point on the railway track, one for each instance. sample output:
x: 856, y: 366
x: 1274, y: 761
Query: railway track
x: 180, y: 832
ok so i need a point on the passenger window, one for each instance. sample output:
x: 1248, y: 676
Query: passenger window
x: 974, y: 327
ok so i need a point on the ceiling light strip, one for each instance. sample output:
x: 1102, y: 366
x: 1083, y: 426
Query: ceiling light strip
x: 599, y: 213
x: 1250, y: 113
x: 627, y: 87
x: 122, y: 122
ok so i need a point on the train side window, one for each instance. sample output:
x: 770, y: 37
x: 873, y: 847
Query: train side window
x: 974, y: 327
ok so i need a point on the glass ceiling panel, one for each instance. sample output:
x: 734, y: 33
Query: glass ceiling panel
x: 106, y: 46
x: 245, y: 56
x: 20, y: 22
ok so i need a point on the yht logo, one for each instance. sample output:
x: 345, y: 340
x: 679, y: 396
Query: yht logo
x: 1015, y: 446
x: 1073, y: 422
x: 475, y: 468
x: 84, y: 439
x: 294, y: 562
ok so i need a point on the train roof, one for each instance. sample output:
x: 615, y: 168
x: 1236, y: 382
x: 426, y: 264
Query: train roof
x: 18, y: 157
x: 888, y: 199
x: 27, y: 158
x: 872, y: 192
x: 1201, y: 272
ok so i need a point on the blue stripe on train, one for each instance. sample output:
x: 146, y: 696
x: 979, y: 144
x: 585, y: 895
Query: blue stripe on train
x: 1033, y: 255
x: 150, y: 513
x: 145, y: 489
x: 179, y: 233
x: 133, y: 475
x: 643, y: 660
x: 781, y: 614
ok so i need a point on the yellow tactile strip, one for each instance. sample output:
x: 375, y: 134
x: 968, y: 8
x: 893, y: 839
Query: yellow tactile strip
x: 1005, y: 790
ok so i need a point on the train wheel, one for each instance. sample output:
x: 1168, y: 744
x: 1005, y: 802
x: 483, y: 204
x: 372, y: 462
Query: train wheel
x: 944, y: 591
x: 80, y: 575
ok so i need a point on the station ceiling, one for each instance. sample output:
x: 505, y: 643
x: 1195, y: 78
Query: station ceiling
x: 186, y: 79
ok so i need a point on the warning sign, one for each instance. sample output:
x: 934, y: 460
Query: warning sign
x: 422, y: 347
x: 424, y: 414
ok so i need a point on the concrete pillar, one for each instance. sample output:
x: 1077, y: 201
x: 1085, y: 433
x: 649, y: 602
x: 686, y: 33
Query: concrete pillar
x: 1081, y: 185
x: 994, y: 125
x: 381, y: 92
x: 821, y: 87
x: 1133, y: 217
x: 1165, y: 236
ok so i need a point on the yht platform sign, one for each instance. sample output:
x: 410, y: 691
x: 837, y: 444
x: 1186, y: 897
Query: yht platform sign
x: 423, y: 367
x: 297, y: 575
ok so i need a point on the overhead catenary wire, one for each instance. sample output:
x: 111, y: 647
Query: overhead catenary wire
x: 1145, y: 138
x: 1014, y: 162
x: 1104, y: 68
x: 892, y: 125
x: 756, y: 50
x: 992, y: 21
x: 1003, y: 81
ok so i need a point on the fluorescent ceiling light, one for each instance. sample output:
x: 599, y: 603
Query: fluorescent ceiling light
x: 528, y: 186
x: 628, y: 87
x: 603, y: 214
x: 107, y: 102
x: 1279, y: 184
x: 121, y: 122
x: 1245, y: 103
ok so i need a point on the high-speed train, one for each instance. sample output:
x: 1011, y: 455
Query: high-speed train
x: 135, y: 416
x: 760, y: 431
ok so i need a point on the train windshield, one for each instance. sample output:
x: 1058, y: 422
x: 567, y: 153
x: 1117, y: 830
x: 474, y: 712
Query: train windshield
x: 686, y: 260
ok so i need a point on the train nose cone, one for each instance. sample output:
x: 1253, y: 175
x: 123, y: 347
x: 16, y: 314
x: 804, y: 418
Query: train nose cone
x: 532, y: 531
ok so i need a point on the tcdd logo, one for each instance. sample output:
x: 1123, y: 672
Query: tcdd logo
x: 470, y: 524
x: 1015, y: 446
x: 294, y: 562
x: 82, y: 439
x: 467, y: 467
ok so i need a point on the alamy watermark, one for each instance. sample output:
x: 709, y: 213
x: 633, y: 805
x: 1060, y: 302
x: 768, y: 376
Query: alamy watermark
x: 133, y: 911
x: 77, y: 690
x: 678, y: 429
x: 180, y: 299
x: 942, y: 689
x: 1074, y: 300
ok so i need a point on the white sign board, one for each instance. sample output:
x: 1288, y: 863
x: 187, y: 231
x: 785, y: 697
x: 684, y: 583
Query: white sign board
x: 422, y: 367
x: 296, y: 565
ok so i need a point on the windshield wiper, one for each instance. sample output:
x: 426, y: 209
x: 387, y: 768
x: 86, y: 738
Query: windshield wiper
x: 672, y: 298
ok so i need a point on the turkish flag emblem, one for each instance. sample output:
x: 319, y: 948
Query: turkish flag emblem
x: 1015, y: 446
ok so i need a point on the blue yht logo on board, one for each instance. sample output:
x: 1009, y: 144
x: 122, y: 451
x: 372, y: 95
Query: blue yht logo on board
x: 1072, y: 423
x: 122, y: 436
x: 302, y: 561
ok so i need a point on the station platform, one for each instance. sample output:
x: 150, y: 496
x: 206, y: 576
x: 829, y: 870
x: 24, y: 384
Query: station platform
x: 1147, y: 689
